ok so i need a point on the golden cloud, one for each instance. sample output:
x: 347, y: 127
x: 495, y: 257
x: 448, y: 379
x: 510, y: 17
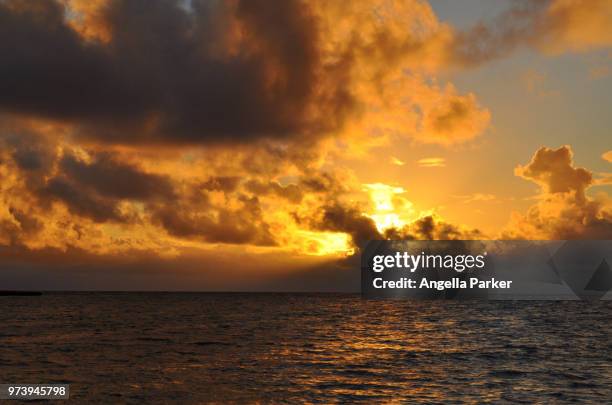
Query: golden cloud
x: 576, y: 25
x: 432, y: 162
x: 563, y: 210
x: 553, y: 169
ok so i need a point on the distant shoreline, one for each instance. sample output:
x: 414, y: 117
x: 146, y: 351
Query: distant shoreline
x: 20, y: 293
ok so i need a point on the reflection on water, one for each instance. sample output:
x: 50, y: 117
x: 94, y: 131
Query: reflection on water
x: 311, y: 348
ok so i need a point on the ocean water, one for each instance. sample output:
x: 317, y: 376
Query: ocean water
x: 293, y: 348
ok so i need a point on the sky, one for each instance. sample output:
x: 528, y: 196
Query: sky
x: 257, y: 146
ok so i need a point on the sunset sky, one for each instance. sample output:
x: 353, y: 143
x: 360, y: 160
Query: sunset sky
x: 257, y: 145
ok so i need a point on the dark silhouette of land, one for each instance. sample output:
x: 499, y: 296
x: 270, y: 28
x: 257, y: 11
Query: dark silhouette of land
x: 20, y: 293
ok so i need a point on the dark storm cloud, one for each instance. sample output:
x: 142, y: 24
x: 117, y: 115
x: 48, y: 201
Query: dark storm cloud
x: 80, y: 202
x: 338, y: 218
x: 91, y: 187
x: 111, y: 178
x: 321, y: 183
x: 31, y: 158
x: 221, y: 183
x: 162, y: 73
x: 217, y: 225
x: 94, y: 189
x: 33, y: 155
x: 24, y: 224
x: 432, y: 228
x: 291, y: 192
x: 27, y: 223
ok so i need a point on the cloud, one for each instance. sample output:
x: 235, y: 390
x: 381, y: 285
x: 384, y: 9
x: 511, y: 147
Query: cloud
x: 413, y: 106
x: 432, y: 227
x: 563, y: 210
x: 199, y: 72
x: 562, y: 217
x: 551, y: 26
x: 106, y: 176
x: 432, y: 162
x: 48, y: 186
x: 607, y: 156
x: 243, y: 225
x: 362, y: 228
x: 453, y: 119
x: 577, y: 25
x: 55, y: 194
x: 147, y: 72
x: 92, y: 206
x: 395, y: 161
x: 554, y: 170
x: 291, y: 192
x: 349, y: 220
x: 476, y: 197
x: 92, y: 185
x: 160, y: 74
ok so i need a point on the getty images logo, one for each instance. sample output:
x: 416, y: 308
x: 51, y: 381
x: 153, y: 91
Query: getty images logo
x: 412, y: 262
x: 534, y: 269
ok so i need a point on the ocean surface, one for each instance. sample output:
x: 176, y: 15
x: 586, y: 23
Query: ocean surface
x: 294, y: 348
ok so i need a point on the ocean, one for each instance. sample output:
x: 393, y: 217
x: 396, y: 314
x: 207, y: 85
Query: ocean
x: 307, y: 348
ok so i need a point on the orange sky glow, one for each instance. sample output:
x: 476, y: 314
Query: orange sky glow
x: 197, y: 144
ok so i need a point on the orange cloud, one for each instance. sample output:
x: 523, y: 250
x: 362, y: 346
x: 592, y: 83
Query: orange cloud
x: 432, y: 162
x: 476, y: 197
x: 553, y: 169
x: 451, y: 118
x: 87, y: 18
x: 552, y: 27
x: 396, y: 161
x: 563, y: 211
x: 576, y: 25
